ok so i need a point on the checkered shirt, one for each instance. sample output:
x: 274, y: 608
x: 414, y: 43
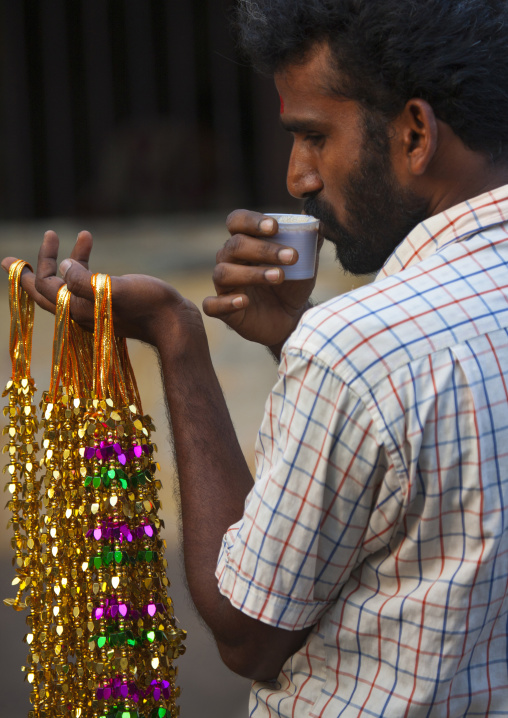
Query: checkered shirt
x: 379, y: 508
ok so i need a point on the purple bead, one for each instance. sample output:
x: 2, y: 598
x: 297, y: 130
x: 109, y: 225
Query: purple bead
x: 97, y: 533
x: 99, y: 693
x: 124, y: 690
x: 114, y: 610
x: 161, y: 608
x: 148, y: 530
x: 151, y: 609
x: 125, y: 530
x: 89, y: 452
x: 137, y: 450
x: 117, y: 448
x: 165, y: 684
x: 156, y: 694
x: 99, y: 612
x: 107, y: 693
x: 122, y: 459
x: 123, y: 609
x: 166, y: 693
x: 98, y: 454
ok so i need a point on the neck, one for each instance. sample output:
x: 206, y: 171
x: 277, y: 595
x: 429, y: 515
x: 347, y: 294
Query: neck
x: 459, y: 173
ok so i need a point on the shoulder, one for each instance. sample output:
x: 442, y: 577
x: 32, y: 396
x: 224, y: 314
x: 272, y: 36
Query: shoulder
x: 368, y: 333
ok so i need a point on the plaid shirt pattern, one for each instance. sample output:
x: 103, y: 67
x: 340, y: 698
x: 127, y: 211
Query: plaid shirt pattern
x: 379, y: 508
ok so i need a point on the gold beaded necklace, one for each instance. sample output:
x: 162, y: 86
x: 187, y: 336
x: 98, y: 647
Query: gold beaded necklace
x: 87, y: 537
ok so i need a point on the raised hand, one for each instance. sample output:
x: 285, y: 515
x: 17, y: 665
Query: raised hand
x: 252, y: 296
x: 144, y: 307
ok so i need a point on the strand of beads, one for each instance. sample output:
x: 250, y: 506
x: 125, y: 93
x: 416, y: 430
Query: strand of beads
x: 24, y: 485
x: 74, y: 523
x: 58, y: 568
x: 108, y: 569
x: 161, y: 638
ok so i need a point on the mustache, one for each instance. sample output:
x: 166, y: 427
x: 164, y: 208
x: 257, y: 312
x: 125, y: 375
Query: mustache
x: 320, y: 210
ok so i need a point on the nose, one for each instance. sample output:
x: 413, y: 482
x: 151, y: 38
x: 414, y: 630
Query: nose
x: 303, y: 178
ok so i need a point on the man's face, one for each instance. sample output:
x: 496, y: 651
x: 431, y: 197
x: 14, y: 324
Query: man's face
x: 341, y: 166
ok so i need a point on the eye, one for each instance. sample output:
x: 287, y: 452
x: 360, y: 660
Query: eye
x: 314, y: 138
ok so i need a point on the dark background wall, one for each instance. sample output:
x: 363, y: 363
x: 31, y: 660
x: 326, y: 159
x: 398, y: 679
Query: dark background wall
x: 117, y: 107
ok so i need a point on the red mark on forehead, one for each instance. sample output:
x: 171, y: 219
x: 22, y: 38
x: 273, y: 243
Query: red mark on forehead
x: 281, y: 105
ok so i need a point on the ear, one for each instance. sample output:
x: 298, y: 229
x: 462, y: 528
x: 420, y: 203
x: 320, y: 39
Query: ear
x: 417, y: 133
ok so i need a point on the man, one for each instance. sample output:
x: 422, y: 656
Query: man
x: 365, y: 573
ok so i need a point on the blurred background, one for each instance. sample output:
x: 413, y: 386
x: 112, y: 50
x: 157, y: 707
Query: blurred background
x: 137, y: 120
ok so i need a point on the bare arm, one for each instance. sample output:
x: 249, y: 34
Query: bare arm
x: 214, y: 477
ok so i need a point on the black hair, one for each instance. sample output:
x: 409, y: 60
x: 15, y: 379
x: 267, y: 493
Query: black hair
x: 451, y: 53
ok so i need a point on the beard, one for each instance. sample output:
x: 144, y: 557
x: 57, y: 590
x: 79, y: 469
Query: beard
x: 380, y: 213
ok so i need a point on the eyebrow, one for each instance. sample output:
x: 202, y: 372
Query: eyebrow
x: 299, y: 126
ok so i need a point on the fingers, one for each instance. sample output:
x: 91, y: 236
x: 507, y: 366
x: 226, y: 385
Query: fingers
x: 82, y: 249
x: 250, y: 250
x: 47, y: 283
x: 227, y: 276
x: 43, y: 286
x: 242, y: 221
x: 28, y: 278
x: 224, y: 305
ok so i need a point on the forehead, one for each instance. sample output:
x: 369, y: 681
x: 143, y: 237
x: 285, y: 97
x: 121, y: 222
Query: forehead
x: 306, y: 92
x: 313, y: 75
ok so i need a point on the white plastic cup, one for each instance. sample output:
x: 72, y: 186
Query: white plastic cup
x: 299, y: 231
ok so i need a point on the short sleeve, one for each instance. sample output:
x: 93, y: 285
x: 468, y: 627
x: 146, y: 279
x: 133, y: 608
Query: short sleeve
x: 320, y: 465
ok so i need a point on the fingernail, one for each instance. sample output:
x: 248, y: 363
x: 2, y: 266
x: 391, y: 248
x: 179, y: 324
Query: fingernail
x: 286, y: 256
x: 237, y: 302
x: 266, y: 225
x: 272, y: 275
x: 64, y: 266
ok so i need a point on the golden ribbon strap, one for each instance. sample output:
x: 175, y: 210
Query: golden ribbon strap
x: 61, y: 359
x: 113, y: 376
x: 22, y: 322
x: 103, y: 335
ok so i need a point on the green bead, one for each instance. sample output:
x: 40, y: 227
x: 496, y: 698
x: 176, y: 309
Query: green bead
x: 96, y: 481
x: 104, y: 471
x: 101, y: 641
x: 111, y: 473
x: 88, y: 481
x: 124, y: 483
x: 151, y: 636
x: 148, y: 556
x: 97, y: 562
x: 106, y: 481
x: 118, y: 556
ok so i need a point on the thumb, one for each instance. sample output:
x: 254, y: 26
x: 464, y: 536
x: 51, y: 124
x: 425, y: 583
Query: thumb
x: 77, y: 278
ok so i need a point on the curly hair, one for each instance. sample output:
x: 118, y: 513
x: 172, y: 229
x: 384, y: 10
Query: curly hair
x: 451, y: 53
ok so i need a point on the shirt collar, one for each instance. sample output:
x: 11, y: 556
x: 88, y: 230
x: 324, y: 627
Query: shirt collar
x: 452, y: 225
